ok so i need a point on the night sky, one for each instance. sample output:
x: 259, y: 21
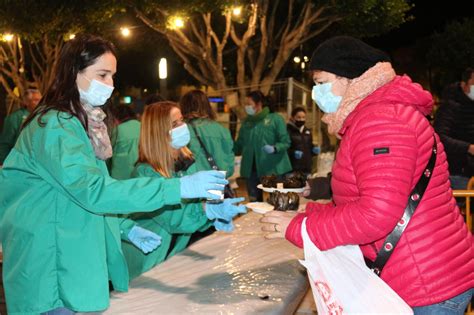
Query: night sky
x: 139, y: 55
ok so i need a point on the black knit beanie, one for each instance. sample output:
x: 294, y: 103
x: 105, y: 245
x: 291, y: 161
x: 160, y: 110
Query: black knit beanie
x: 346, y: 56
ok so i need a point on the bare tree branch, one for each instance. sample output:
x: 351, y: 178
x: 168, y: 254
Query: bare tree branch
x: 262, y: 54
x: 188, y: 65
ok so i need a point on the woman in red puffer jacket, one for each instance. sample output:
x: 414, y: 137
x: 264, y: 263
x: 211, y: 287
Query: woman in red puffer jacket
x: 386, y: 143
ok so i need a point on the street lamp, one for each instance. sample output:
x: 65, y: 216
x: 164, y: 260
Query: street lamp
x: 176, y: 22
x: 7, y: 37
x: 297, y: 59
x: 125, y: 31
x: 236, y: 11
x: 163, y: 69
x: 163, y: 74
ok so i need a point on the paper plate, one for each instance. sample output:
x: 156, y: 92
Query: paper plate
x: 260, y: 207
x: 283, y: 190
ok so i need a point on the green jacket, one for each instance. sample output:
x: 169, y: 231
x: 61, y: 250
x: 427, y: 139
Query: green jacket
x: 257, y: 131
x: 59, y: 249
x: 11, y: 131
x: 177, y: 222
x: 218, y: 143
x: 124, y: 141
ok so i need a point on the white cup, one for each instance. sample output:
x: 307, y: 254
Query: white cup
x: 217, y: 192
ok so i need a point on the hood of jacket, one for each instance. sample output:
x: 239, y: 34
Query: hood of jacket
x: 401, y: 91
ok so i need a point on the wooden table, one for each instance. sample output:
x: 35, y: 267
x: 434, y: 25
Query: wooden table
x: 236, y: 273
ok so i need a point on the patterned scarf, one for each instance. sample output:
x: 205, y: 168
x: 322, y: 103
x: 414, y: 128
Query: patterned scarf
x: 358, y: 89
x: 97, y: 132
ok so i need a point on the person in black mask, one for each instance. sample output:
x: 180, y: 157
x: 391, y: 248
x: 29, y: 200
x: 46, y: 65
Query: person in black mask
x: 301, y: 151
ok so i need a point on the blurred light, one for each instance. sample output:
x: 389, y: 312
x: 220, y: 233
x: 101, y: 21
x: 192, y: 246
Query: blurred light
x: 145, y: 90
x: 72, y: 36
x: 7, y: 37
x: 125, y: 31
x: 305, y: 58
x: 303, y: 65
x: 127, y: 99
x: 177, y: 22
x: 236, y: 11
x: 216, y: 99
x: 162, y: 69
x: 297, y: 59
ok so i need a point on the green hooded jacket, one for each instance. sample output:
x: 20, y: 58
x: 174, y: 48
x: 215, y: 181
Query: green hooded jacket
x: 218, y: 143
x: 124, y: 141
x: 59, y: 246
x: 11, y: 131
x: 257, y: 131
x: 174, y: 224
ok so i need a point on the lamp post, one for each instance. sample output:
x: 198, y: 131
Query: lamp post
x: 163, y: 75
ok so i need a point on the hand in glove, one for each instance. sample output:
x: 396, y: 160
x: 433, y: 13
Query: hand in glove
x: 198, y: 184
x: 298, y: 154
x: 145, y: 240
x: 269, y: 149
x: 223, y: 213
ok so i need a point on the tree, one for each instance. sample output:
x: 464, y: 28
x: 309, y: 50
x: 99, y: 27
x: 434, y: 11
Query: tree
x: 450, y: 52
x: 260, y: 35
x: 34, y: 33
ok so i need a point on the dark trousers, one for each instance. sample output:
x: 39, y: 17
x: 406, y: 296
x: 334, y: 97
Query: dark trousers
x: 254, y: 193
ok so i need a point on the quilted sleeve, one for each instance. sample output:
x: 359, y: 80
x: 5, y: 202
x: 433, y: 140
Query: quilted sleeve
x: 383, y: 154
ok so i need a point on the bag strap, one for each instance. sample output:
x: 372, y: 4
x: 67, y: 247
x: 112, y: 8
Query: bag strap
x: 209, y: 157
x: 413, y: 201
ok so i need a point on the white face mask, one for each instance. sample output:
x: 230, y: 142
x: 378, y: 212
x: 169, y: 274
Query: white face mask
x: 97, y: 94
x: 471, y: 93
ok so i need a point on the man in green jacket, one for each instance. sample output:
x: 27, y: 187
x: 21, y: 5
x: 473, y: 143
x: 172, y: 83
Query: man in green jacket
x: 263, y: 142
x: 12, y: 123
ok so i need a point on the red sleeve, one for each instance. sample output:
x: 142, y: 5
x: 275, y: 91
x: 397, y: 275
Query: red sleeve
x: 293, y: 232
x: 382, y: 182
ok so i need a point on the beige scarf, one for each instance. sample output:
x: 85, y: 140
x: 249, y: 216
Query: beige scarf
x: 97, y: 132
x: 358, y: 89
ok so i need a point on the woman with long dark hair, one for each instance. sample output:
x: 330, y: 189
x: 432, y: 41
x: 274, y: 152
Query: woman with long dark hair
x: 60, y: 237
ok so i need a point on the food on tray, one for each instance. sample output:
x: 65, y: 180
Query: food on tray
x: 294, y: 180
x: 284, y: 201
x: 269, y: 181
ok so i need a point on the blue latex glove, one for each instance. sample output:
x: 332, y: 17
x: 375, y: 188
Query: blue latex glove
x: 198, y: 184
x: 269, y: 149
x: 145, y: 240
x: 223, y: 213
x: 316, y: 150
x: 298, y: 154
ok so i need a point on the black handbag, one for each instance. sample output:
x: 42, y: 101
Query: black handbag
x: 413, y: 201
x: 228, y: 191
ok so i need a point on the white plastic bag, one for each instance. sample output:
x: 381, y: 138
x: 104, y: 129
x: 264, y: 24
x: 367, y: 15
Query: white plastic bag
x: 342, y: 283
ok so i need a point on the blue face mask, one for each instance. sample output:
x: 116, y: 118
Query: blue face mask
x: 97, y: 94
x: 250, y: 110
x: 180, y: 136
x: 326, y: 100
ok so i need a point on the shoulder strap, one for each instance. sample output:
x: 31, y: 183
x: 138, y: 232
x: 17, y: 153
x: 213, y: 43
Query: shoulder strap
x: 413, y: 201
x: 209, y: 157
